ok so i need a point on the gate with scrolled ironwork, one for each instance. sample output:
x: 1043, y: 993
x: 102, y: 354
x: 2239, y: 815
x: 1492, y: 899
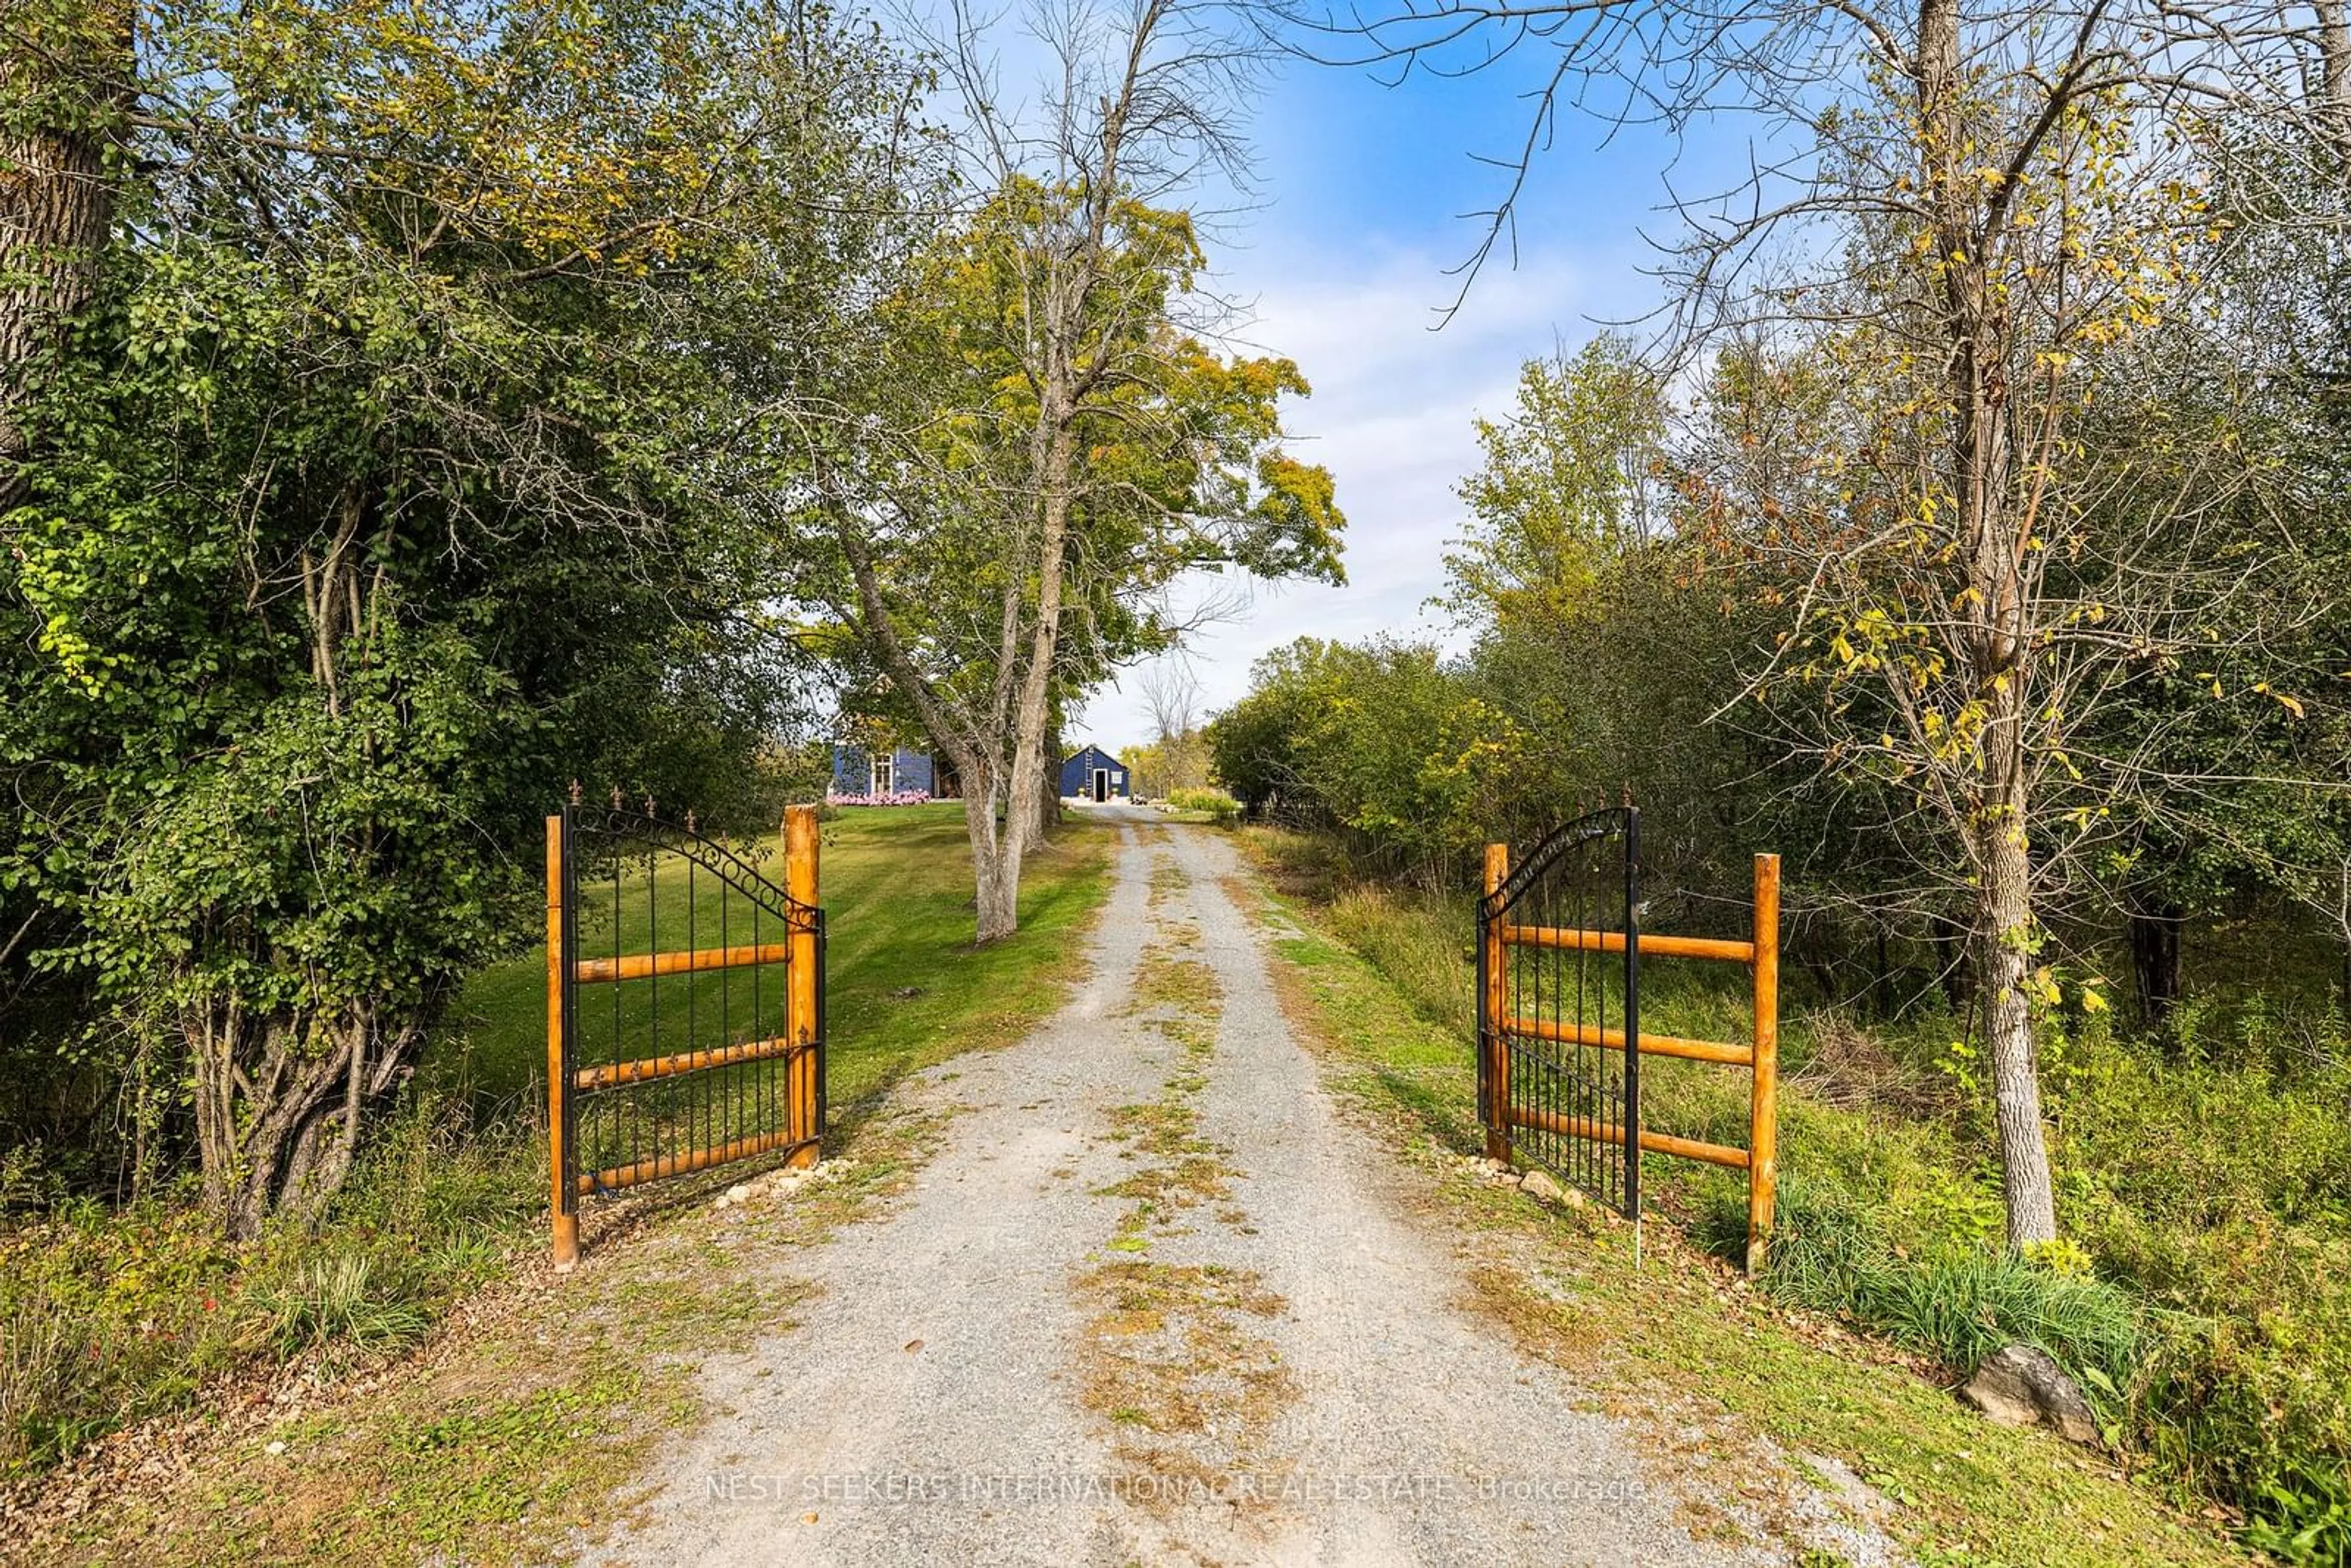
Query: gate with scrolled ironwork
x: 1559, y: 1040
x: 1558, y: 1076
x: 685, y: 1003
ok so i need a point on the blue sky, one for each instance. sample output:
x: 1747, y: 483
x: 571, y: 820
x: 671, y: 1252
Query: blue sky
x: 1360, y: 193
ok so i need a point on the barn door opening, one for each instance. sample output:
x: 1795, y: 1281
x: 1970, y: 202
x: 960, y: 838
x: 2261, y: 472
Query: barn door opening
x: 1101, y: 785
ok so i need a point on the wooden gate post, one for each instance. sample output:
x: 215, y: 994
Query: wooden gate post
x: 1489, y: 1011
x: 1763, y: 1129
x: 801, y: 841
x: 564, y: 1209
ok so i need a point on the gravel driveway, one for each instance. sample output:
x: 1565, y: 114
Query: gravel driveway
x: 1154, y: 1300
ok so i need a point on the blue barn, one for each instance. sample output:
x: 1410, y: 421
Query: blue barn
x: 1094, y: 774
x: 901, y: 770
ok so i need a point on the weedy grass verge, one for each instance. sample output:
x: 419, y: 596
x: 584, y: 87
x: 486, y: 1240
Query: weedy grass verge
x: 1681, y: 1337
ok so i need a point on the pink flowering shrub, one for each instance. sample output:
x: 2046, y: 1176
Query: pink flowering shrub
x: 889, y: 798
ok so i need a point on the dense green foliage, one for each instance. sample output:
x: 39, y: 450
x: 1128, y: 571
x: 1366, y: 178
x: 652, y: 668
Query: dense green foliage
x: 1214, y: 804
x: 369, y: 503
x: 1383, y: 740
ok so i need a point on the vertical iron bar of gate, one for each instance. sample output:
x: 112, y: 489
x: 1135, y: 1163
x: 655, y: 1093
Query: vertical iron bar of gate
x: 1485, y: 1114
x: 571, y: 1022
x: 1633, y: 1021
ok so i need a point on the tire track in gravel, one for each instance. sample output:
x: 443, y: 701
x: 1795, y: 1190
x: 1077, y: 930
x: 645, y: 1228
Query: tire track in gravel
x: 1153, y: 1299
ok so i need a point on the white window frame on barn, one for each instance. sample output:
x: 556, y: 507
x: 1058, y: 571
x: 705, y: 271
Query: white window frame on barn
x: 881, y: 775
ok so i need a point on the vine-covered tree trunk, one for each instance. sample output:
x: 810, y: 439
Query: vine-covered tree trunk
x: 279, y: 1103
x: 61, y: 70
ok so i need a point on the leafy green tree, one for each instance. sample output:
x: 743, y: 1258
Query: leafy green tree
x: 1255, y: 746
x: 1049, y: 442
x: 987, y: 516
x: 370, y: 501
x: 1383, y: 741
x: 1569, y: 482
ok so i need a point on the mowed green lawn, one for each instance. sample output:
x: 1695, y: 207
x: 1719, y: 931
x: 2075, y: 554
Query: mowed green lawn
x: 906, y: 986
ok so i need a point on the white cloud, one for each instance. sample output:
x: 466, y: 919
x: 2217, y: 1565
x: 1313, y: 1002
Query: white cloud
x: 1390, y: 418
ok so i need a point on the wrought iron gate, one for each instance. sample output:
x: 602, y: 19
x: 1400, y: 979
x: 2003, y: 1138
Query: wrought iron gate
x: 1560, y: 1042
x: 686, y: 1003
x: 1559, y: 960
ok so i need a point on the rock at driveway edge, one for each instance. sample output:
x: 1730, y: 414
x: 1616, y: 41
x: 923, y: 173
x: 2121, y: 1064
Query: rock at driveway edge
x: 2022, y: 1386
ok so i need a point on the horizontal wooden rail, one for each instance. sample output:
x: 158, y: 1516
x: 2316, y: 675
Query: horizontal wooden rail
x: 1614, y: 1040
x: 1729, y: 952
x: 645, y: 966
x: 1609, y: 1133
x: 692, y: 1160
x: 616, y: 1073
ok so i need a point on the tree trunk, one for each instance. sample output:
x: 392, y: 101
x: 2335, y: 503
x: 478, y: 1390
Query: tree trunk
x: 2005, y: 932
x: 979, y: 764
x: 60, y: 96
x: 996, y: 874
x: 1881, y: 985
x: 1053, y: 459
x: 1991, y: 528
x: 2154, y: 932
x: 278, y: 1107
x: 1049, y: 789
x: 1048, y: 805
x: 2335, y: 73
x: 2343, y: 926
x: 1955, y: 966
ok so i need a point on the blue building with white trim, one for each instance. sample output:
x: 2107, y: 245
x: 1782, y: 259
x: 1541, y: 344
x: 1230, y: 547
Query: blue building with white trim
x: 901, y: 770
x: 1094, y: 774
